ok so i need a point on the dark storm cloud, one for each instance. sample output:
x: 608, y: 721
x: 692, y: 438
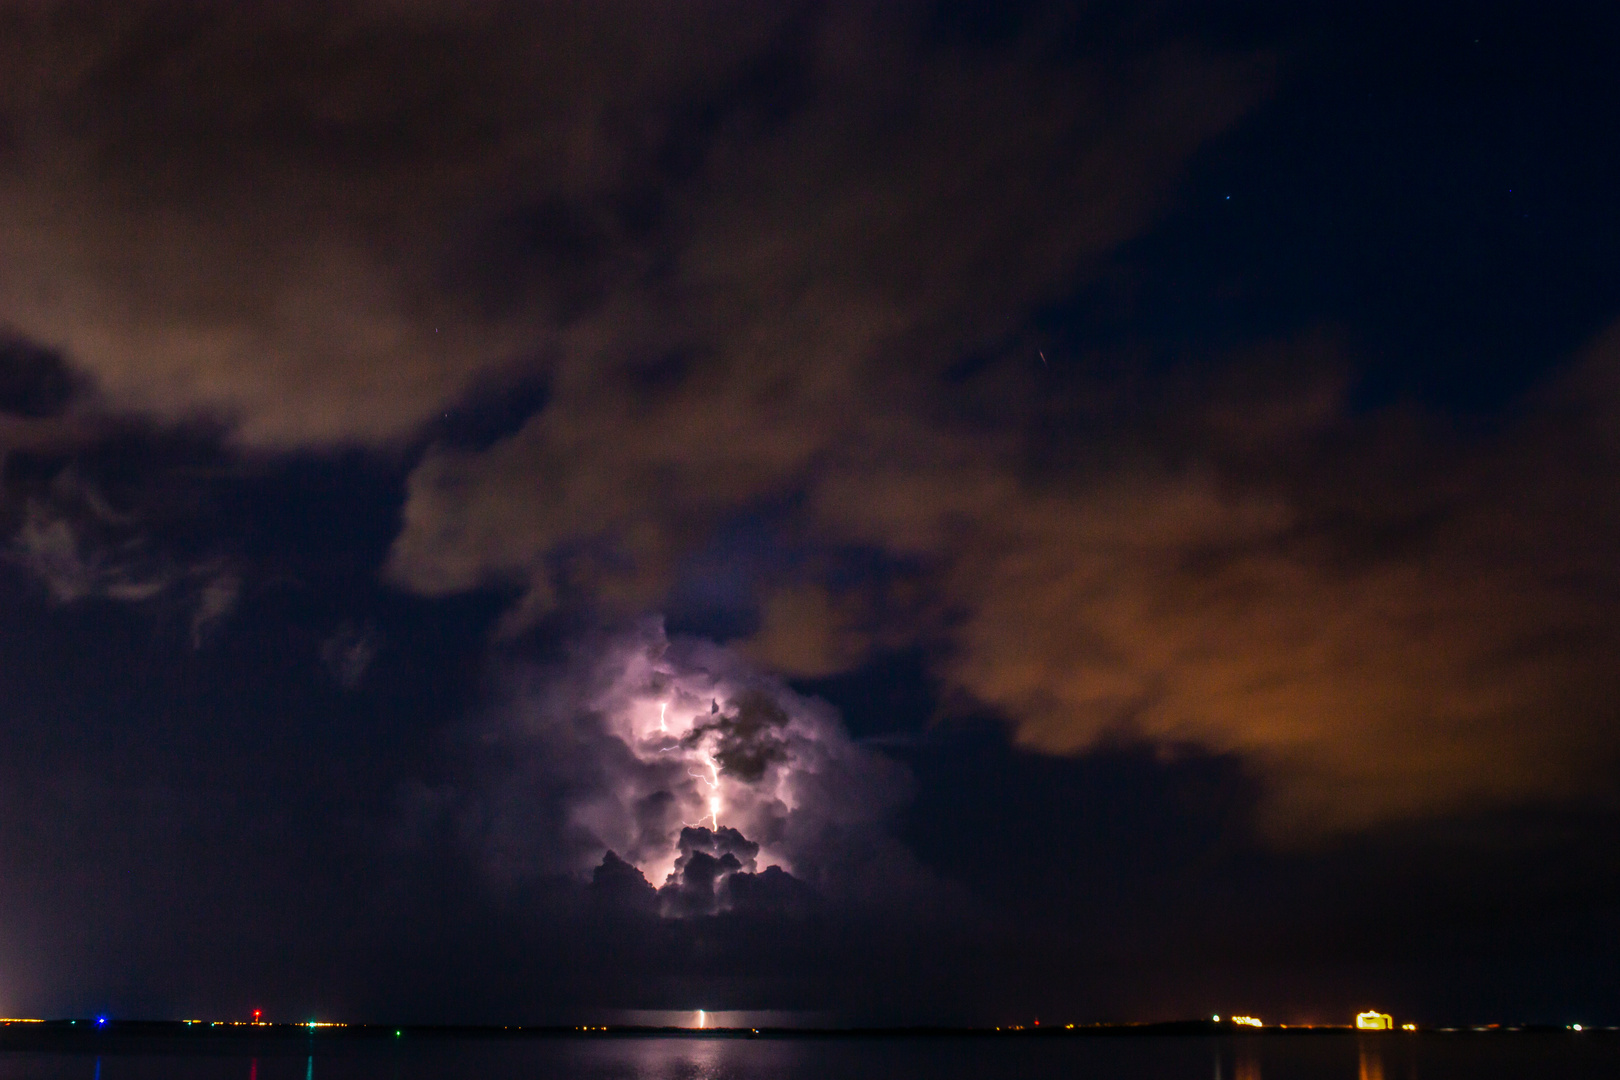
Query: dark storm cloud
x: 1382, y: 617
x: 38, y: 390
x: 681, y: 760
x: 80, y: 537
x: 57, y: 540
x: 740, y: 885
x: 619, y: 887
x: 1385, y: 617
x: 708, y: 862
x: 749, y: 736
x: 826, y: 269
x: 349, y: 652
x: 734, y: 257
x: 66, y: 521
x: 34, y: 382
x: 324, y: 225
x: 698, y: 223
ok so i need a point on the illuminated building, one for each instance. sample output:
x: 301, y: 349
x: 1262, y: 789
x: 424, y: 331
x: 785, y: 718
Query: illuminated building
x: 1374, y: 1021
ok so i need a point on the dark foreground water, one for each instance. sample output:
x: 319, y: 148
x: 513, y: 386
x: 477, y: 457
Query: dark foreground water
x: 1348, y: 1057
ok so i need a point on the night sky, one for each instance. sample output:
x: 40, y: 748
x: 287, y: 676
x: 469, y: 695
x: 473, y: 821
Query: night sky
x: 907, y: 512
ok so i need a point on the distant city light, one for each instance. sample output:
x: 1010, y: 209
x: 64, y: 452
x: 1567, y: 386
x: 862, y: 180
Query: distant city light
x: 1574, y: 1027
x: 1374, y: 1021
x: 1247, y: 1021
x: 1408, y: 1027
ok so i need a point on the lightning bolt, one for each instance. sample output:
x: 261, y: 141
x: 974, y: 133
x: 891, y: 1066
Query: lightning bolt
x: 710, y: 773
x: 712, y: 778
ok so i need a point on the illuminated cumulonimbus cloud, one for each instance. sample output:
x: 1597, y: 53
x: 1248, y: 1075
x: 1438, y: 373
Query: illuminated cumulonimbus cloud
x: 686, y: 770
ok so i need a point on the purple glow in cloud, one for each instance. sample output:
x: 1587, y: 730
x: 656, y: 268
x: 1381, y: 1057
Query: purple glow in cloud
x: 696, y: 773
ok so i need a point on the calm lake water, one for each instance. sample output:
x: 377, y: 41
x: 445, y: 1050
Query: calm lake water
x: 1383, y: 1057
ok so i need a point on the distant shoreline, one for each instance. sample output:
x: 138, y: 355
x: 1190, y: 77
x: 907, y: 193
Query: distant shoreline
x: 131, y: 1035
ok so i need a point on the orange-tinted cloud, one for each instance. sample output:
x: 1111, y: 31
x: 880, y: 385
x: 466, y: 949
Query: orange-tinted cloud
x: 1382, y: 618
x: 744, y: 249
x: 300, y: 220
x: 830, y: 268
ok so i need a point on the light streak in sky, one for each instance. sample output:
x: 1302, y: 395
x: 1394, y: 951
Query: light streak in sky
x: 712, y: 778
x: 690, y: 735
x: 708, y: 771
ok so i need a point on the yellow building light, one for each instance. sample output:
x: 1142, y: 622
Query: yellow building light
x: 1247, y: 1021
x: 1374, y: 1021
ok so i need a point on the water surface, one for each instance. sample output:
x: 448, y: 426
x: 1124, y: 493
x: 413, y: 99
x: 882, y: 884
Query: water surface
x: 647, y: 1057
